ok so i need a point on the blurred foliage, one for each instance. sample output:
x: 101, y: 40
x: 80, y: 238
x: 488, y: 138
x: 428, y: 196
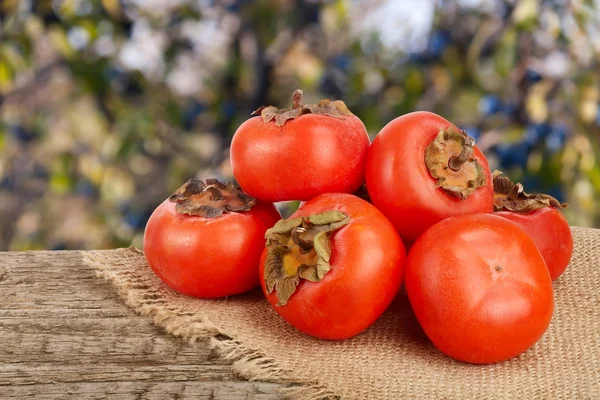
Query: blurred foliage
x: 108, y: 106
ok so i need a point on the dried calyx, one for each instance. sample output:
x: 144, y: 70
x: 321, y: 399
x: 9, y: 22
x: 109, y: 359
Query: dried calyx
x: 449, y: 159
x: 336, y: 109
x: 509, y: 196
x: 210, y: 199
x: 300, y: 248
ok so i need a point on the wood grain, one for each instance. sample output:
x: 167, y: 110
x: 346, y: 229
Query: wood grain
x: 64, y: 333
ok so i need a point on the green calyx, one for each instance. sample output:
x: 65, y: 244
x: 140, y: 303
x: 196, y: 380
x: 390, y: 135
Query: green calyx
x: 510, y: 196
x: 210, y: 199
x: 335, y: 109
x: 299, y: 248
x: 449, y: 159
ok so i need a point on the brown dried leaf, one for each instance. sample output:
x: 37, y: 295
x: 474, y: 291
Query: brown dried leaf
x: 258, y: 111
x: 285, y: 287
x: 502, y: 185
x: 205, y: 211
x: 191, y: 187
x: 449, y: 159
x: 268, y: 113
x: 509, y: 196
x: 210, y: 199
x: 323, y: 268
x: 341, y: 107
x: 284, y: 226
x: 277, y: 239
x: 322, y: 246
x: 336, y: 109
x: 274, y: 267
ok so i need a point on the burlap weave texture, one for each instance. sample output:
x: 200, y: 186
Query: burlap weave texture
x: 392, y: 359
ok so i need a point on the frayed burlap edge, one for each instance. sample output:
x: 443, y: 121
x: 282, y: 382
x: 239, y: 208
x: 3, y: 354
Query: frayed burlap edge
x: 146, y: 300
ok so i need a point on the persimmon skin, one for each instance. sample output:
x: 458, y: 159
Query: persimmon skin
x: 367, y: 264
x: 550, y: 232
x: 479, y: 288
x: 207, y: 257
x: 401, y: 186
x: 307, y: 156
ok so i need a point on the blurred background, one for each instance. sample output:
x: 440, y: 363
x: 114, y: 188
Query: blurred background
x: 106, y: 107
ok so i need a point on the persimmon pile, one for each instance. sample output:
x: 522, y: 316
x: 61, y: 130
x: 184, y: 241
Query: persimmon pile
x: 482, y: 252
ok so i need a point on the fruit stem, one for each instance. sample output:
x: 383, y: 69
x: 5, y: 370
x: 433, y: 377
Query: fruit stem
x: 297, y: 98
x: 466, y: 154
x: 450, y: 161
x: 335, y: 109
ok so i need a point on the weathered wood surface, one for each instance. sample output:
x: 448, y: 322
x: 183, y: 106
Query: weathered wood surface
x: 64, y: 333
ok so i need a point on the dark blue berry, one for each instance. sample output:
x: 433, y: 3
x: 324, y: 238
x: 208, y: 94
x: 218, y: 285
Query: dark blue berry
x: 490, y: 104
x: 511, y: 155
x: 22, y: 134
x: 555, y: 191
x: 229, y: 109
x: 531, y: 183
x: 86, y: 188
x: 510, y: 109
x: 532, y: 76
x: 438, y: 42
x: 555, y: 140
x: 190, y: 113
x: 342, y: 62
x: 59, y: 246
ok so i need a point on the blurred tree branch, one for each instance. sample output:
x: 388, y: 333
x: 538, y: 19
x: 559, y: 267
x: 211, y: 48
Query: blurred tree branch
x: 36, y: 78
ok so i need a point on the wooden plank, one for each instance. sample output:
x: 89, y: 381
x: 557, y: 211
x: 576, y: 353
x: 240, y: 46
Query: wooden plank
x: 145, y: 390
x: 64, y: 333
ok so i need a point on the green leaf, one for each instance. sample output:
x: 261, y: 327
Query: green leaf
x: 308, y: 272
x: 309, y: 236
x: 327, y: 217
x: 323, y: 268
x: 7, y: 75
x: 283, y: 226
x: 322, y: 246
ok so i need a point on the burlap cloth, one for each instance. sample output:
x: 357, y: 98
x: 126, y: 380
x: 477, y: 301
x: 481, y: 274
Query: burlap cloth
x: 392, y: 359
